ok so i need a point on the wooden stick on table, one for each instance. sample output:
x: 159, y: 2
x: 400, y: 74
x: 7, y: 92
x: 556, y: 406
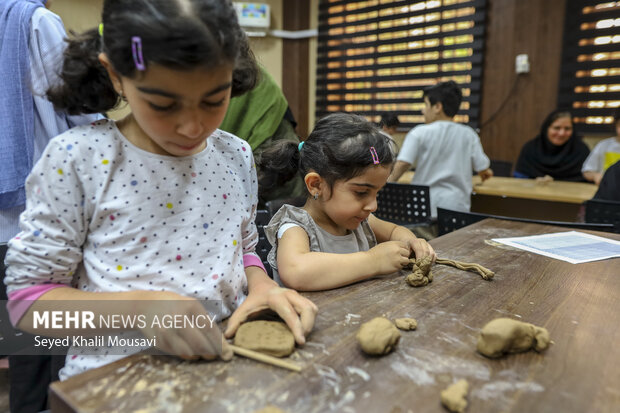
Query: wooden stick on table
x: 255, y: 355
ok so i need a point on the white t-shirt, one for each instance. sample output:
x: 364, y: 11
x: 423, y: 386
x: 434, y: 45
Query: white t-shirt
x: 604, y: 154
x: 103, y: 215
x: 444, y: 154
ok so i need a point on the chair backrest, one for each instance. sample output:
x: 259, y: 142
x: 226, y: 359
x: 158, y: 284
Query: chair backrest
x: 449, y: 220
x: 501, y: 168
x: 275, y: 204
x: 404, y: 204
x: 601, y: 211
x: 263, y: 247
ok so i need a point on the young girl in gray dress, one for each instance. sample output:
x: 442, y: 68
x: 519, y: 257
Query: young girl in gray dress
x: 334, y: 240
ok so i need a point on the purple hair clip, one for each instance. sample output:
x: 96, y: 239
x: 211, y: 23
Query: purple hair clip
x: 136, y: 50
x: 375, y: 157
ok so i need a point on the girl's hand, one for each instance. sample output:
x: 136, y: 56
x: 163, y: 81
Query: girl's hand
x: 188, y: 343
x: 421, y: 248
x: 389, y: 256
x: 297, y: 312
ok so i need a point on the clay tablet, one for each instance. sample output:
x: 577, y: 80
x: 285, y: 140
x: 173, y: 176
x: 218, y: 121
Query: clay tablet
x: 454, y: 396
x: 406, y: 323
x: 269, y: 337
x: 505, y: 335
x: 378, y: 336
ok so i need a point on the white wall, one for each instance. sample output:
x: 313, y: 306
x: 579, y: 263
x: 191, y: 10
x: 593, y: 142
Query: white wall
x: 268, y: 50
x: 78, y: 15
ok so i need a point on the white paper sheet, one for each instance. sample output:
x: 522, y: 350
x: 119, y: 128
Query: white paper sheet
x: 572, y: 246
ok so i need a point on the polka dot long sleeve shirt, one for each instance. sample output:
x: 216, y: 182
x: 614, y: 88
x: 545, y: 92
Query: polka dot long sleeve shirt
x: 104, y: 215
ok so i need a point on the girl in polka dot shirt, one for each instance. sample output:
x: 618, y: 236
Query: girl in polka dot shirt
x: 159, y: 206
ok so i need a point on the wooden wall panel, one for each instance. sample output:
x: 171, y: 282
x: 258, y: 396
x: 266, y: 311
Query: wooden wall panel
x: 533, y: 27
x: 296, y: 63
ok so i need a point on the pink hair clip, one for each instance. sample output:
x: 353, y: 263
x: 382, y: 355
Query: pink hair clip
x: 375, y: 157
x: 136, y: 51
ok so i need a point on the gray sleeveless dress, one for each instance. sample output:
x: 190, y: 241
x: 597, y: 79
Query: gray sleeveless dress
x: 361, y: 239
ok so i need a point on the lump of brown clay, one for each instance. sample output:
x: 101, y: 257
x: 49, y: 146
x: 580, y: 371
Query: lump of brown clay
x: 406, y: 323
x: 421, y: 273
x: 269, y: 337
x: 378, y: 336
x: 454, y: 396
x: 505, y: 335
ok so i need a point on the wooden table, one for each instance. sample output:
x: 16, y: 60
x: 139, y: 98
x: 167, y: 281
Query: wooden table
x: 558, y: 191
x: 578, y: 304
x: 526, y: 198
x: 406, y: 177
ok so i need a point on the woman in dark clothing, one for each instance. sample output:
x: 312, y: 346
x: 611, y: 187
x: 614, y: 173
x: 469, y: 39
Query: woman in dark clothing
x: 556, y: 151
x: 609, y: 188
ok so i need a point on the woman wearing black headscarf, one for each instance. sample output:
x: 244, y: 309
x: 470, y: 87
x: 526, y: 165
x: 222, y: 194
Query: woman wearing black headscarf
x: 556, y: 151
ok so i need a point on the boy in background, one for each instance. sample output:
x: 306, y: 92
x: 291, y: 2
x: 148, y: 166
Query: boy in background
x: 443, y: 152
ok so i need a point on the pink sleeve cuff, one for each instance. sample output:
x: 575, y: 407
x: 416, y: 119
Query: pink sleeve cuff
x: 21, y: 300
x: 252, y: 260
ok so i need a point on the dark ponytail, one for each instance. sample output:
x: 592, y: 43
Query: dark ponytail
x: 86, y: 86
x: 277, y: 165
x: 337, y: 149
x: 246, y: 72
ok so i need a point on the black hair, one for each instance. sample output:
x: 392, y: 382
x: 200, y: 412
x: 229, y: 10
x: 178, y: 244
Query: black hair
x: 448, y: 94
x: 552, y: 117
x: 177, y: 34
x: 389, y: 120
x: 337, y: 149
x: 617, y: 115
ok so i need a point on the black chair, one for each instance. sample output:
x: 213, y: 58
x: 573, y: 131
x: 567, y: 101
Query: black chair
x: 404, y: 204
x: 30, y: 375
x: 449, y: 220
x: 602, y: 211
x: 501, y: 168
x: 263, y: 247
x: 11, y: 338
x: 275, y: 204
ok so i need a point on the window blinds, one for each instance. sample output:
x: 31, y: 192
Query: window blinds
x: 590, y: 78
x: 377, y: 56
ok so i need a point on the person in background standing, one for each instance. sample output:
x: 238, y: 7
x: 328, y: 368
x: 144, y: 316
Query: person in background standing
x: 30, y: 58
x: 443, y: 152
